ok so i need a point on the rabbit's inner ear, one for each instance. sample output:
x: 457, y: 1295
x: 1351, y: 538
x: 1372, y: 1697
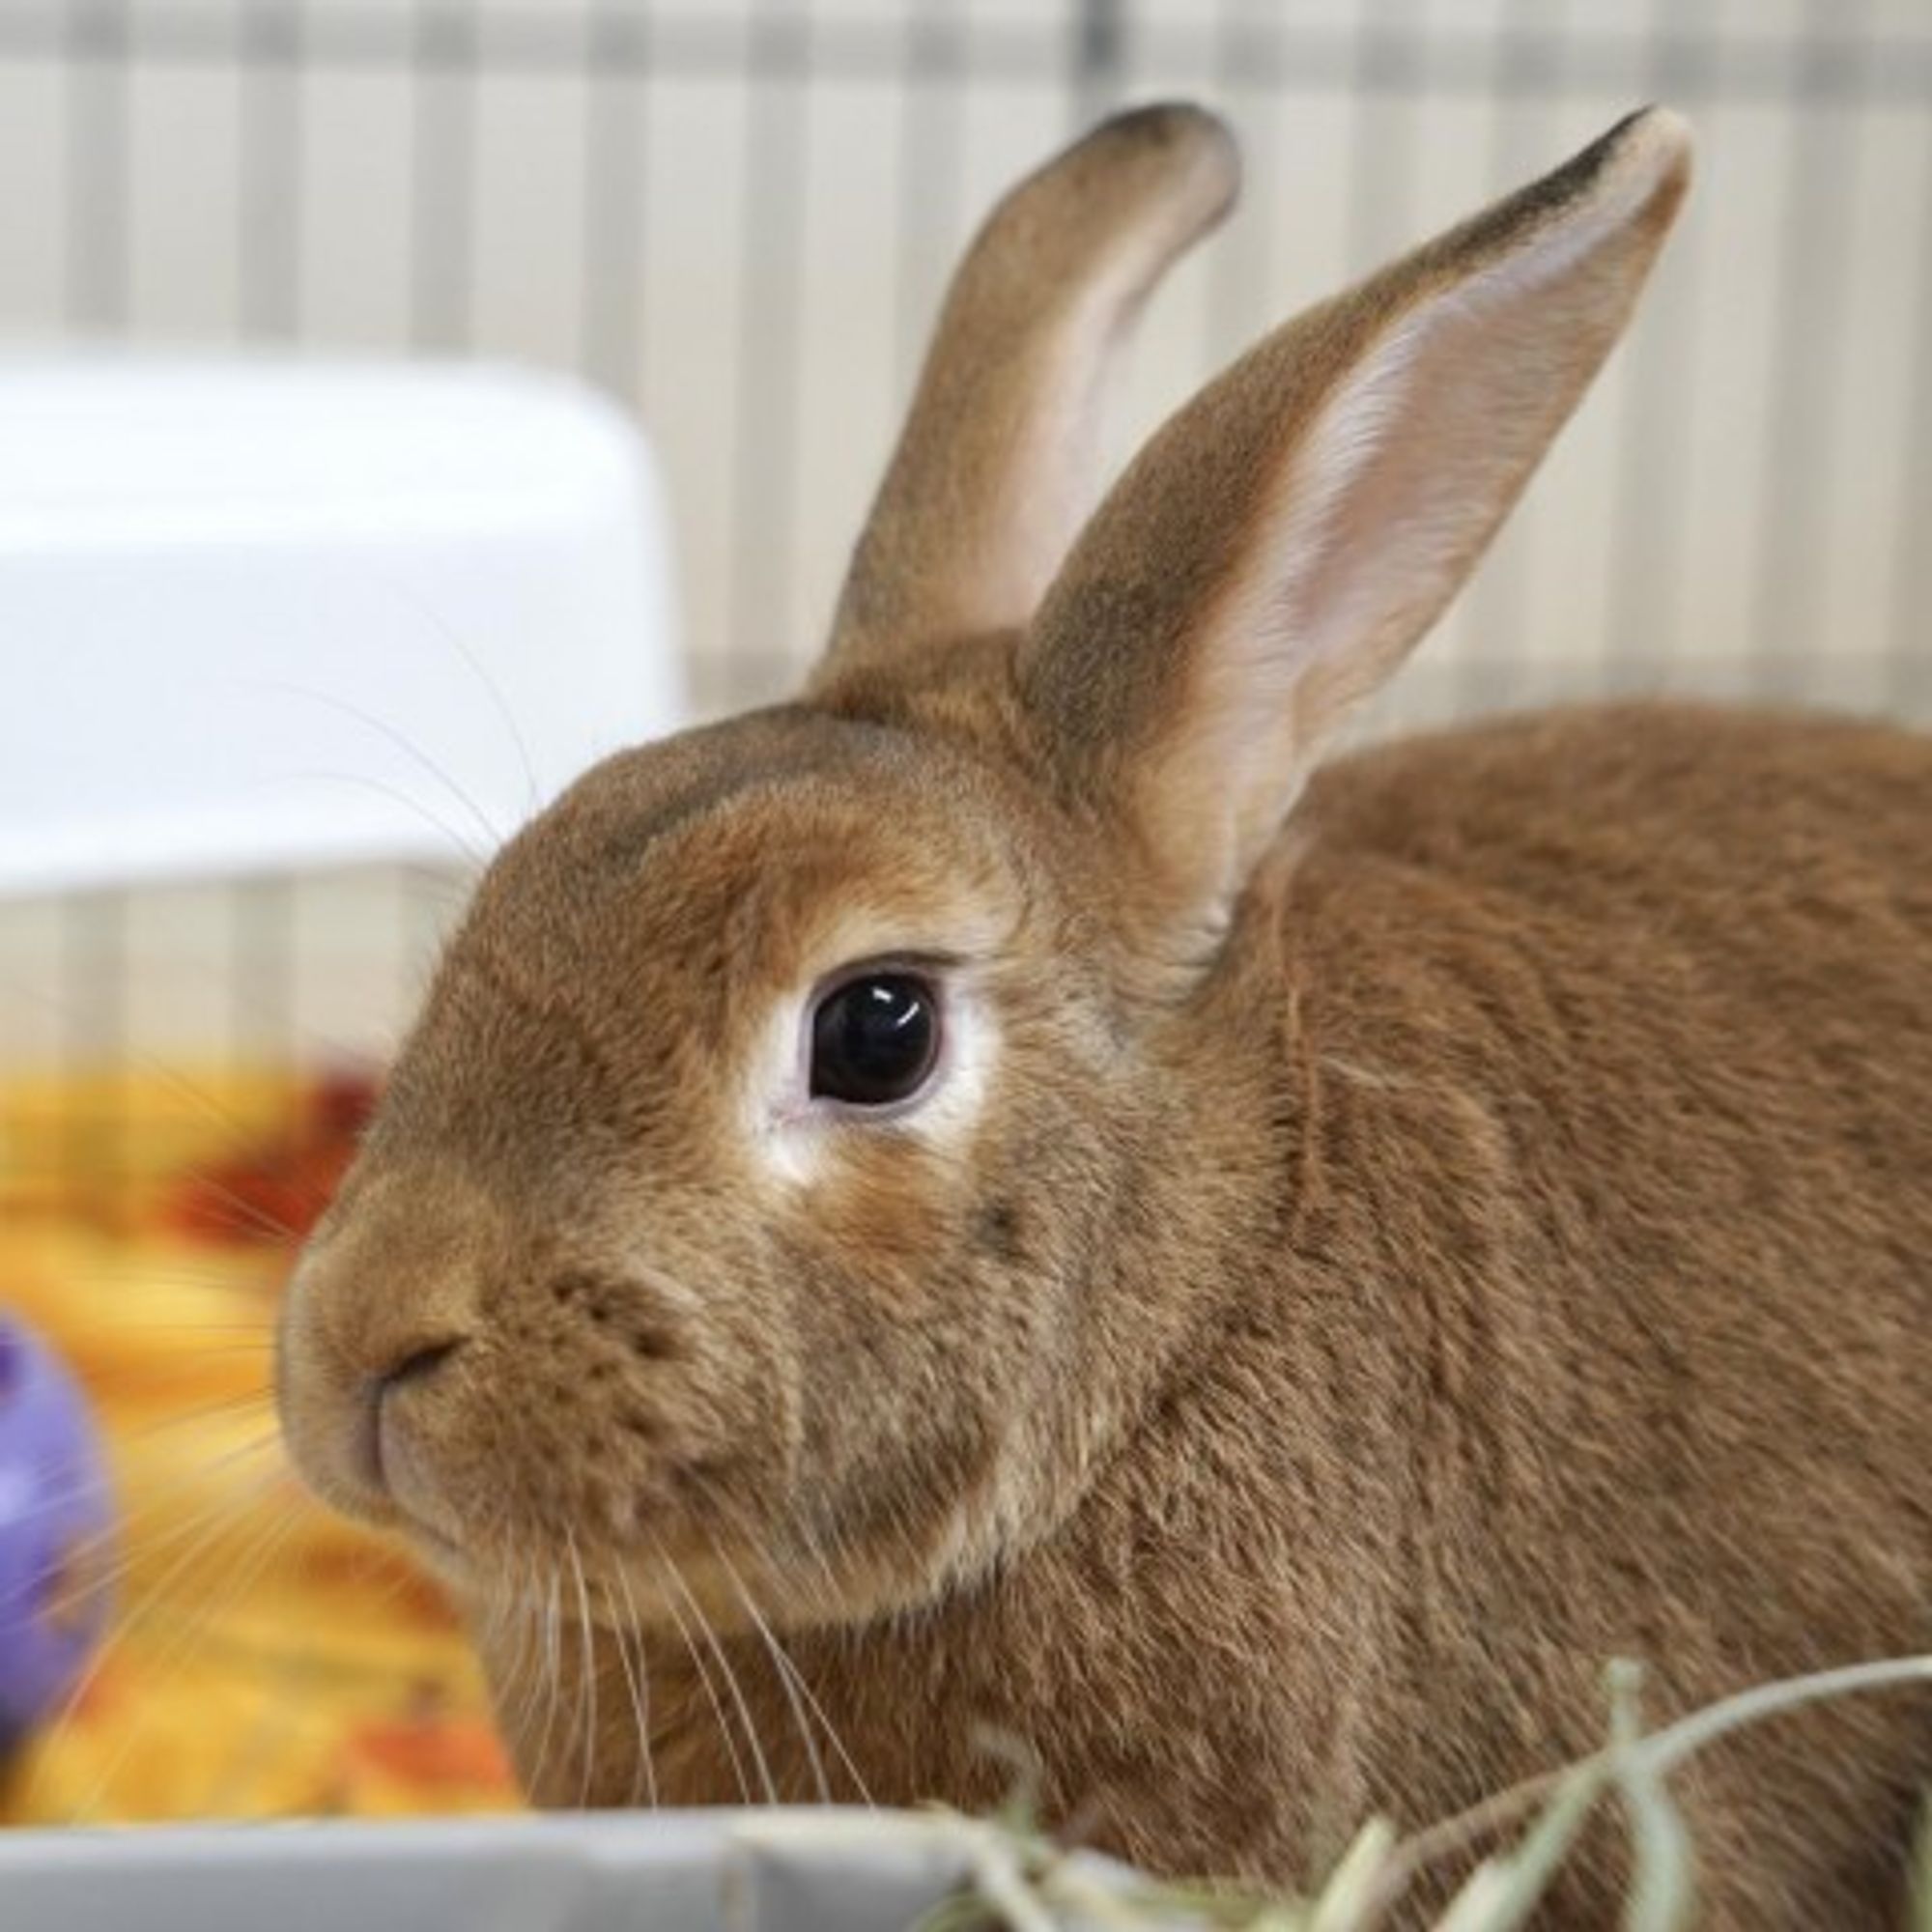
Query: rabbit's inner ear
x: 1284, y: 541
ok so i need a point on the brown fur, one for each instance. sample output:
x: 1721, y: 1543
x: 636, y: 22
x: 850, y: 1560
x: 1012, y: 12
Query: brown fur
x: 1427, y: 1229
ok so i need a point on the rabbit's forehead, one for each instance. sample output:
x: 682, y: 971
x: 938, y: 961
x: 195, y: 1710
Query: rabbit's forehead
x: 782, y: 841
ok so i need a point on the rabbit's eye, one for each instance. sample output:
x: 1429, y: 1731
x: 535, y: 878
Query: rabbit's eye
x: 874, y: 1039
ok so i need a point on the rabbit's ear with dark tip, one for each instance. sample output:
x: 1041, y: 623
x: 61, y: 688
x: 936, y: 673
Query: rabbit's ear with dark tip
x: 1274, y: 553
x: 996, y: 469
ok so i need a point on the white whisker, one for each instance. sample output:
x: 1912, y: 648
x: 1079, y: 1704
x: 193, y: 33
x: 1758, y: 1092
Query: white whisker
x: 589, y: 1669
x: 711, y: 1696
x: 642, y: 1690
x: 623, y: 1637
x: 787, y: 1676
x: 731, y: 1682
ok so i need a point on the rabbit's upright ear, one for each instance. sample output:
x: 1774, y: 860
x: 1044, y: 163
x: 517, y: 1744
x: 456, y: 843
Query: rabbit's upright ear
x: 1278, y: 547
x: 995, y: 472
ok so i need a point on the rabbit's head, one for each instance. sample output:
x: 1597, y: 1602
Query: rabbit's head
x: 826, y: 1126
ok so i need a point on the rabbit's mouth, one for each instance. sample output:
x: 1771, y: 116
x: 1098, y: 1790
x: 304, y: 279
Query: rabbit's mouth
x: 400, y: 1473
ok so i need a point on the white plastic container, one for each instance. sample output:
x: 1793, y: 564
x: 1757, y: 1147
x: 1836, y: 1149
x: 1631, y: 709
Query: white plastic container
x: 262, y: 615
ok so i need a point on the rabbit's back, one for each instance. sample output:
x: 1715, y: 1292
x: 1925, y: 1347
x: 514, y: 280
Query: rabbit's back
x: 1685, y: 809
x: 1635, y: 929
x: 1619, y: 1024
x: 1664, y: 978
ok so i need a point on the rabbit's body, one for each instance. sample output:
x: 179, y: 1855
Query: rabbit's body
x: 1255, y: 1282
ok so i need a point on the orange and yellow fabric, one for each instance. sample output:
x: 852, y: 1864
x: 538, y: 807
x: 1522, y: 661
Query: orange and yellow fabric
x: 262, y: 1659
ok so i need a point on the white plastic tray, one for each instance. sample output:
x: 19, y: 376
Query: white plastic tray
x: 712, y: 1871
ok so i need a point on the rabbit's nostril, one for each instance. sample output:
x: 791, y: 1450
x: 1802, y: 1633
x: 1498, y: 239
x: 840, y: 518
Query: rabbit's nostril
x: 416, y: 1366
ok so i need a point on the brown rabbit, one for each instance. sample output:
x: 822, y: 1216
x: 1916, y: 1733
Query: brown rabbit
x: 998, y: 1197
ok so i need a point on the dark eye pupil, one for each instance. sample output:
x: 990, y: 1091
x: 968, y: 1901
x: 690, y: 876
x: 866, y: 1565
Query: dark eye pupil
x: 874, y: 1040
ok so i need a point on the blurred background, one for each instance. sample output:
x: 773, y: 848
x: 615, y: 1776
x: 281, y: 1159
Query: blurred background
x: 733, y: 218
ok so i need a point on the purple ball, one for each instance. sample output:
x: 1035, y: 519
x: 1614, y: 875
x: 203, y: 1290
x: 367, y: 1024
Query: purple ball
x: 56, y: 1512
